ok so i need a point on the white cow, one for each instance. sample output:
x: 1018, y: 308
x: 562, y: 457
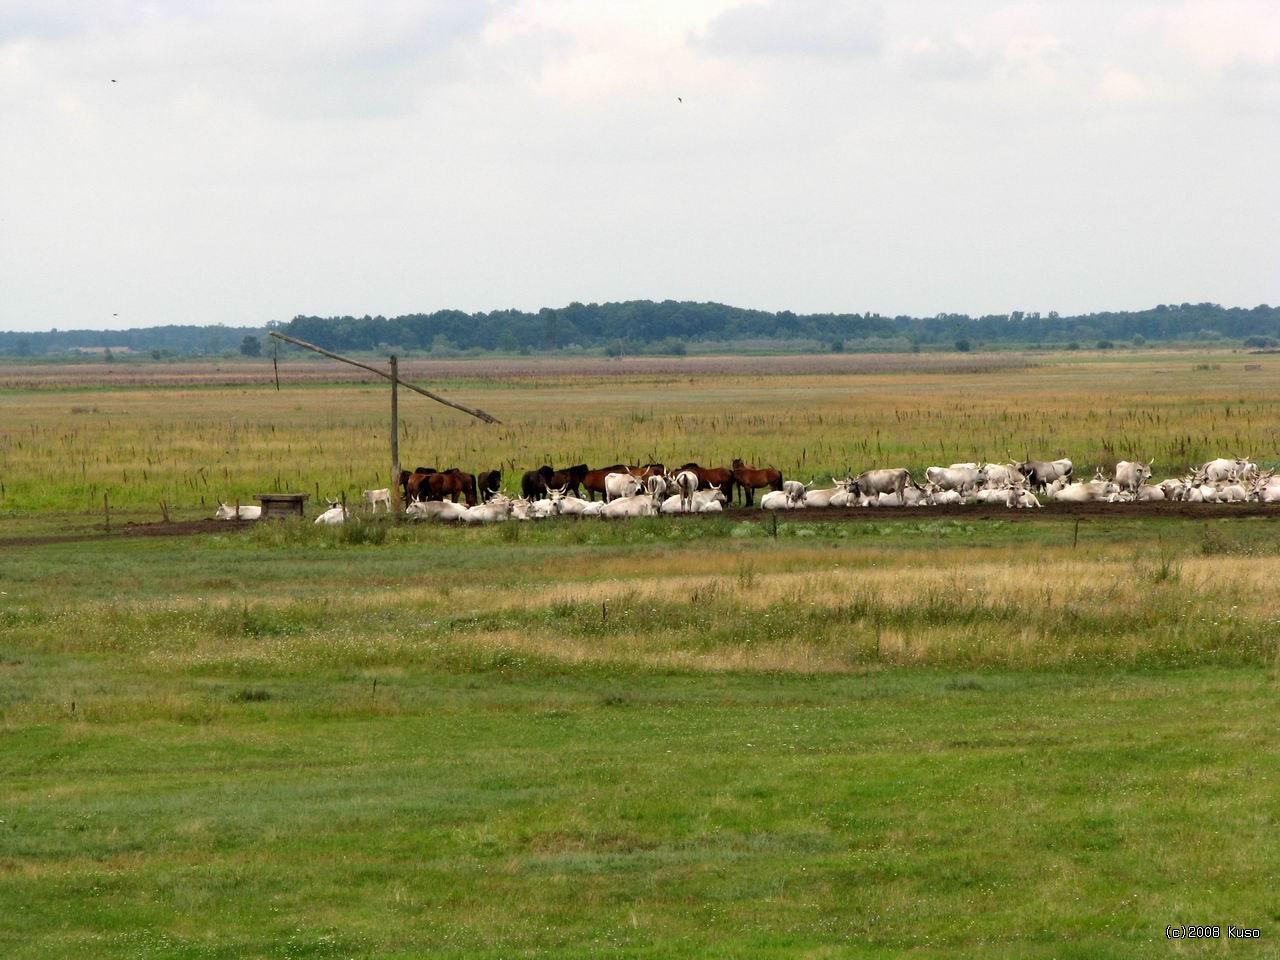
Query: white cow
x: 1224, y: 469
x: 336, y: 514
x: 636, y: 505
x: 826, y: 497
x: 1267, y: 489
x: 1207, y: 493
x: 1089, y: 492
x: 961, y: 479
x: 657, y: 486
x: 795, y: 491
x: 620, y: 485
x: 1022, y: 498
x: 495, y: 510
x: 1232, y: 493
x: 375, y: 497
x: 702, y: 501
x: 1148, y: 493
x: 548, y: 507
x: 576, y: 506
x: 436, y: 510
x: 892, y: 480
x: 778, y: 500
x: 995, y: 474
x: 687, y: 484
x: 1131, y: 474
x: 225, y: 512
x: 993, y: 495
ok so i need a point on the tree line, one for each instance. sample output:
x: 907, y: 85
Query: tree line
x: 672, y: 326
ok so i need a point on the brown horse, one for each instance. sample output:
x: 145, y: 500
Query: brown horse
x: 593, y: 480
x: 721, y: 477
x: 749, y: 479
x: 414, y: 484
x: 647, y: 471
x: 450, y: 483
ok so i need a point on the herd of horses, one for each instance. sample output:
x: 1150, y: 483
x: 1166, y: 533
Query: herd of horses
x: 427, y: 483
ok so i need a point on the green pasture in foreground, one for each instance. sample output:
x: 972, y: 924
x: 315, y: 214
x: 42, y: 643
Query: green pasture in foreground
x: 293, y: 742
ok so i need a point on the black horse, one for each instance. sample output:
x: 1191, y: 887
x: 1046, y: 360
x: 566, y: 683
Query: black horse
x: 490, y: 483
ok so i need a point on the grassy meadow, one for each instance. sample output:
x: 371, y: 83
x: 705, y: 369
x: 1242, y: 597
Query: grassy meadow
x: 295, y: 742
x: 921, y: 737
x: 65, y: 440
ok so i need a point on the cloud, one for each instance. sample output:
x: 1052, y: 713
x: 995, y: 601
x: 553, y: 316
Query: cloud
x: 301, y: 61
x: 1223, y: 33
x: 957, y: 58
x: 1121, y: 86
x: 797, y: 28
x: 962, y: 57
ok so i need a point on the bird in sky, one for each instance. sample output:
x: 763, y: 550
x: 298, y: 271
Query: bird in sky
x: 113, y: 81
x: 681, y: 99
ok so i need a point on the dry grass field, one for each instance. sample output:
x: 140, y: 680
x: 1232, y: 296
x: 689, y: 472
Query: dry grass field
x: 66, y: 437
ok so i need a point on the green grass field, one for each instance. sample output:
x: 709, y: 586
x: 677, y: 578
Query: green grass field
x: 927, y: 738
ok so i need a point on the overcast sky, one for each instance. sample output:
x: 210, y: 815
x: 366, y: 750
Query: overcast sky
x: 255, y: 160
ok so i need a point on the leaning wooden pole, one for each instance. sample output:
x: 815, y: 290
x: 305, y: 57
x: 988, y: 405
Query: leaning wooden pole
x: 395, y: 436
x: 478, y: 414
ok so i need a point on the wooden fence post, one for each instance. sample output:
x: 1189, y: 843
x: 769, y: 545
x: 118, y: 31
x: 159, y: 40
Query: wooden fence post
x: 395, y: 436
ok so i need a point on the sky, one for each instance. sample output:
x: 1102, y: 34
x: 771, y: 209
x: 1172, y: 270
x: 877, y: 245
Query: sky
x: 241, y: 161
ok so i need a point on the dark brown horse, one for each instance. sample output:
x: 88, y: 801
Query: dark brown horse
x: 533, y: 485
x: 750, y: 479
x: 721, y: 477
x: 490, y: 482
x: 593, y: 480
x: 570, y: 479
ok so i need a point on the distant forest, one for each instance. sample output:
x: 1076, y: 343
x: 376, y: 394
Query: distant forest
x: 646, y: 326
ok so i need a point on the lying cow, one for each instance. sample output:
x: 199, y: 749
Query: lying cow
x: 336, y: 514
x: 225, y: 512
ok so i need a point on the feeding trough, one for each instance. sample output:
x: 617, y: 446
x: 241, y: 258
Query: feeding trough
x: 281, y: 504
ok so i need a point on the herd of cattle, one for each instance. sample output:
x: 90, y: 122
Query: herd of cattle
x: 651, y: 489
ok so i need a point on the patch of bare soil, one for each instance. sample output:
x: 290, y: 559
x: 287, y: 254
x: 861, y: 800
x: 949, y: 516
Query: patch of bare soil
x: 185, y: 528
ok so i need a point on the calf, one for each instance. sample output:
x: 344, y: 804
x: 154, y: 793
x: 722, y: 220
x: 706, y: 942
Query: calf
x: 375, y: 497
